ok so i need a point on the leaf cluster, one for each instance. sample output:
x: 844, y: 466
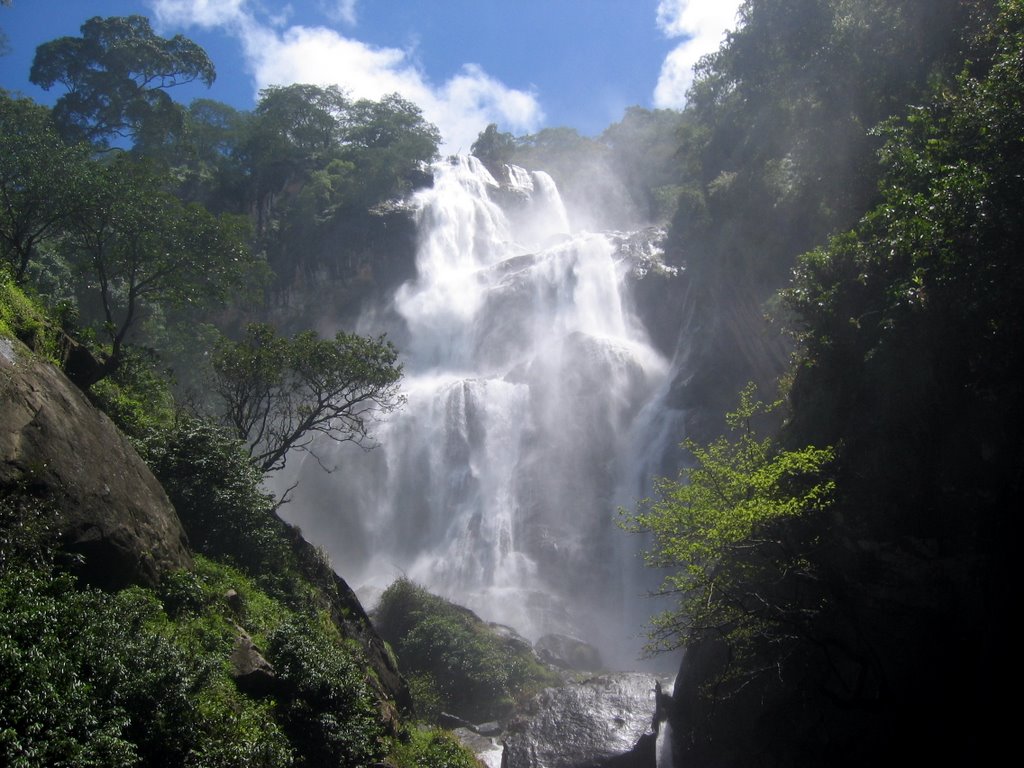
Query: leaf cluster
x: 91, y: 679
x: 331, y: 716
x: 720, y: 530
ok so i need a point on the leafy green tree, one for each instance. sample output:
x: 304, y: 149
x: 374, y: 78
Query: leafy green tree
x: 925, y: 290
x: 116, y: 75
x: 41, y: 180
x: 218, y: 495
x: 494, y: 148
x: 388, y: 140
x: 279, y: 394
x: 138, y: 246
x: 720, y: 530
x: 294, y: 129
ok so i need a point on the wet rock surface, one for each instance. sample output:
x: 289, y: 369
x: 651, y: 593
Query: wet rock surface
x: 568, y: 652
x: 112, y: 511
x: 596, y: 722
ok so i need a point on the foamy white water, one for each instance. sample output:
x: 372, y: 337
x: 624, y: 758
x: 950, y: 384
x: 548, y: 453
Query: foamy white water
x: 533, y: 410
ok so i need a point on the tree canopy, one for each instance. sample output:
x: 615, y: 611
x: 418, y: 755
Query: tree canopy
x: 137, y: 246
x: 41, y: 180
x: 116, y: 76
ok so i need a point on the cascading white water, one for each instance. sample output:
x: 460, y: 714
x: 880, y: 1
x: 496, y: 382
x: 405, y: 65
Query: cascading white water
x: 531, y: 399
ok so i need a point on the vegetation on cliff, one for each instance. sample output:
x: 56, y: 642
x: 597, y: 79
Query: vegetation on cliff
x: 113, y: 250
x: 720, y: 531
x: 837, y: 603
x: 882, y: 141
x: 455, y: 662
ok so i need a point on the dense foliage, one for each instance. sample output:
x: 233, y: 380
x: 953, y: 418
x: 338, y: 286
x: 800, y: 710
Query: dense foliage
x: 131, y: 229
x: 721, y: 531
x: 884, y: 141
x: 91, y: 679
x: 116, y: 75
x: 455, y: 662
x: 838, y: 604
x: 217, y: 493
x: 143, y: 677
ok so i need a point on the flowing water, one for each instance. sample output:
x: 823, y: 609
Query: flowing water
x: 533, y: 413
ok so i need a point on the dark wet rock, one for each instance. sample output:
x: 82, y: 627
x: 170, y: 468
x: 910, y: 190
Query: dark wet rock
x: 598, y: 722
x: 492, y: 728
x: 568, y: 653
x: 235, y: 602
x: 112, y: 511
x: 511, y: 639
x: 487, y: 750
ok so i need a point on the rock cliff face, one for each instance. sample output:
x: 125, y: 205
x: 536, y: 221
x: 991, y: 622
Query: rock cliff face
x: 112, y: 511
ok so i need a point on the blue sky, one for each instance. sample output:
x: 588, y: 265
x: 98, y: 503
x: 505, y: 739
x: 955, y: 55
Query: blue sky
x: 524, y: 64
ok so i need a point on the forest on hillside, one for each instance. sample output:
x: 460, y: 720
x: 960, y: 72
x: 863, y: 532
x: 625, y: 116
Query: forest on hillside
x: 846, y: 178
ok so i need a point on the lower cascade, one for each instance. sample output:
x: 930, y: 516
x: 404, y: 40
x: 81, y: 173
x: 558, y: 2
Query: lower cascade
x: 533, y: 412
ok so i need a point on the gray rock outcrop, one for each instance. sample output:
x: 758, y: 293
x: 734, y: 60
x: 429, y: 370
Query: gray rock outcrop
x: 568, y: 653
x: 599, y: 722
x: 112, y: 511
x: 251, y: 672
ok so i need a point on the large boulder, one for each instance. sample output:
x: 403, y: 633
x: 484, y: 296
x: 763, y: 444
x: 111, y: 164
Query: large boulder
x: 568, y: 653
x: 603, y: 722
x: 112, y: 511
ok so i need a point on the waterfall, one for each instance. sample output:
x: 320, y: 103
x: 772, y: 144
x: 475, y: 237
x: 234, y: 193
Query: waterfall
x: 533, y: 409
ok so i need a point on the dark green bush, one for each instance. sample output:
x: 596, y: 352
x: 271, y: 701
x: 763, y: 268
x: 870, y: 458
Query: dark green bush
x: 331, y: 717
x: 137, y: 397
x: 431, y: 748
x: 93, y: 679
x: 457, y: 662
x: 217, y: 494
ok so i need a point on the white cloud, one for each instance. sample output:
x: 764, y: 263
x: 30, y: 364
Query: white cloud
x: 202, y: 13
x: 341, y: 10
x: 460, y: 107
x: 703, y: 24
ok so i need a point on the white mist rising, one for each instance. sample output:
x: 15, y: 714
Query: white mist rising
x: 532, y: 404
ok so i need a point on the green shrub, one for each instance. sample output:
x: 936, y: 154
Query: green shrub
x: 433, y: 748
x: 454, y: 661
x: 331, y: 717
x: 136, y: 396
x: 93, y: 679
x: 26, y: 527
x: 216, y: 491
x: 24, y: 318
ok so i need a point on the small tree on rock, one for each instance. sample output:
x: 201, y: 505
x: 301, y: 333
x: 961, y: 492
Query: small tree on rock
x: 279, y: 394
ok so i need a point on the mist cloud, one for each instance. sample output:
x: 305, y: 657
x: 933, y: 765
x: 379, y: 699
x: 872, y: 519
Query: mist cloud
x: 702, y: 24
x: 280, y: 54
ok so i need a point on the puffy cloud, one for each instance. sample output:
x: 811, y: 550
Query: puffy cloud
x: 703, y: 24
x: 280, y: 55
